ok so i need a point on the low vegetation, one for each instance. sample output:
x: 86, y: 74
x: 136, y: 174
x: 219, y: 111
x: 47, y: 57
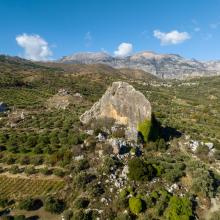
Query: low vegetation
x: 50, y: 161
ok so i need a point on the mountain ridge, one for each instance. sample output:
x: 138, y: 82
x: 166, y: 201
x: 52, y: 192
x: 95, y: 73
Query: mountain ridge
x: 168, y: 66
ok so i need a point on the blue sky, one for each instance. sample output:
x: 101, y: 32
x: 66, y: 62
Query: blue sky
x: 42, y: 29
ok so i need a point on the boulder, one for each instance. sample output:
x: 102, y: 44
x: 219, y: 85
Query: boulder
x: 124, y: 104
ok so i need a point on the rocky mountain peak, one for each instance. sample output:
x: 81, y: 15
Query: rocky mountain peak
x: 124, y: 104
x: 86, y: 57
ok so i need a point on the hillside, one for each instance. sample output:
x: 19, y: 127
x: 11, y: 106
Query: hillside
x: 72, y: 169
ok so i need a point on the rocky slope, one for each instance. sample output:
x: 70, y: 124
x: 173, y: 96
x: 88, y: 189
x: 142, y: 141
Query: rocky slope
x: 162, y: 65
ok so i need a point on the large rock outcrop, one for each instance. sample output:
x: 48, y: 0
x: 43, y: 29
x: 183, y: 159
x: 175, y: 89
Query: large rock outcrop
x: 124, y: 104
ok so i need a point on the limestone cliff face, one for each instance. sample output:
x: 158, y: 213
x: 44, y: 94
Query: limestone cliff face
x: 124, y: 104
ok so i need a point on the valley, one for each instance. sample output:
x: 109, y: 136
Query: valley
x: 52, y: 162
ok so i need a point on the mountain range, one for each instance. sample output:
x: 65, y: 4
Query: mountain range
x: 167, y: 66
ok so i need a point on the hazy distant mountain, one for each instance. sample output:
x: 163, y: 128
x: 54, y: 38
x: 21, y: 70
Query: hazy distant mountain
x: 162, y: 65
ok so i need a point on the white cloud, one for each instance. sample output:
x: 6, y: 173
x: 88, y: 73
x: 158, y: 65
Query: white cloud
x: 215, y: 25
x: 197, y: 29
x: 124, y: 49
x: 35, y: 47
x: 172, y: 37
x: 88, y: 39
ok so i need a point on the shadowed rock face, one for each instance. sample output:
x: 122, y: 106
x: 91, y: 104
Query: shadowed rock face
x: 124, y: 104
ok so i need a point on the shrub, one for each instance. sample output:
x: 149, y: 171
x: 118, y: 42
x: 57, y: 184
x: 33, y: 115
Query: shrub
x: 123, y: 216
x: 37, y: 160
x: 46, y: 171
x: 217, y: 154
x: 109, y: 164
x: 202, y: 150
x: 54, y: 205
x: 82, y: 165
x: 149, y: 130
x: 7, y: 218
x: 67, y: 214
x: 138, y: 170
x: 59, y: 172
x: 179, y: 208
x: 121, y: 203
x: 19, y: 217
x: 123, y: 193
x: 10, y: 160
x: 78, y: 215
x: 161, y: 144
x: 29, y: 204
x: 135, y: 205
x: 96, y: 190
x: 15, y: 169
x: 81, y: 203
x: 25, y: 160
x: 3, y: 202
x: 173, y: 175
x: 30, y: 170
x: 82, y: 179
x: 144, y: 130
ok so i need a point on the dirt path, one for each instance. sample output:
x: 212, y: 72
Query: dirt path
x: 33, y: 176
x: 41, y: 213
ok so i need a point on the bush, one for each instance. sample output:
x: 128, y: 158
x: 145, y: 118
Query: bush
x: 173, y: 175
x: 37, y: 160
x: 82, y: 179
x: 19, y: 217
x: 109, y: 164
x: 10, y: 160
x: 82, y: 165
x: 30, y: 170
x: 30, y: 204
x: 59, y: 172
x: 67, y: 214
x: 54, y: 205
x: 15, y: 169
x: 144, y: 129
x: 46, y: 171
x: 7, y: 218
x: 96, y: 190
x: 123, y: 216
x: 138, y: 170
x: 135, y: 205
x: 25, y: 160
x: 81, y: 203
x: 3, y: 202
x: 179, y: 208
x: 78, y: 215
x: 123, y: 193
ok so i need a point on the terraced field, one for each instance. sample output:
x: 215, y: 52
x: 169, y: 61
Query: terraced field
x: 16, y: 187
